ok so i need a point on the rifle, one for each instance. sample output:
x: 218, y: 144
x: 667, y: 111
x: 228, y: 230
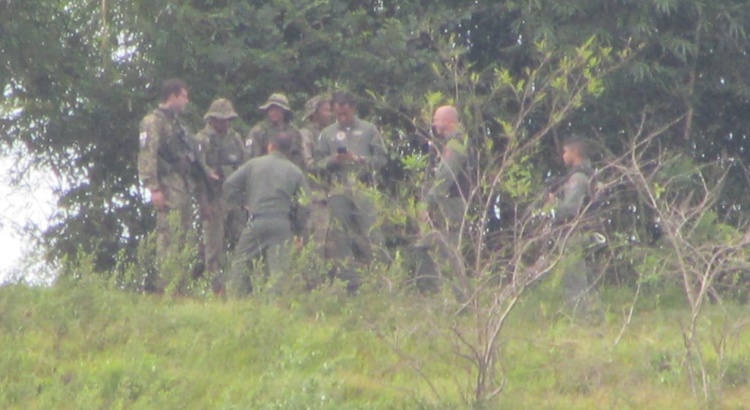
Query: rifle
x: 198, y: 168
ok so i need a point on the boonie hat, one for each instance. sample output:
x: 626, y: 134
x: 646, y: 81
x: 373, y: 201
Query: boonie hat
x: 221, y: 109
x: 278, y: 100
x: 312, y: 104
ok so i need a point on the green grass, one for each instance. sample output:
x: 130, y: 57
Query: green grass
x: 87, y: 347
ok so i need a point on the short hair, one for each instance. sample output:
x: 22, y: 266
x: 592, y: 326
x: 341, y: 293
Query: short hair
x: 344, y: 98
x: 173, y: 86
x: 579, y: 145
x: 282, y: 141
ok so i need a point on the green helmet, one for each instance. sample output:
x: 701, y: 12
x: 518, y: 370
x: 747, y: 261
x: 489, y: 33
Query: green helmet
x: 221, y: 109
x: 278, y: 100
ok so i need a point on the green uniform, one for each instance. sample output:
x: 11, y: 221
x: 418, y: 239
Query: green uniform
x: 447, y: 201
x: 274, y: 190
x: 256, y: 143
x: 574, y: 191
x: 449, y: 192
x: 353, y: 232
x: 575, y: 272
x: 165, y: 162
x: 222, y: 154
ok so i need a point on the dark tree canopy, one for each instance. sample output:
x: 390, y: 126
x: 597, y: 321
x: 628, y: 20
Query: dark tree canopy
x: 77, y: 76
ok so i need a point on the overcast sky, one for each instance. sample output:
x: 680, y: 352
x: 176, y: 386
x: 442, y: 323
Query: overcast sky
x: 30, y: 203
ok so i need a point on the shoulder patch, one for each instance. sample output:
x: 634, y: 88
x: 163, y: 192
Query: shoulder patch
x: 143, y: 139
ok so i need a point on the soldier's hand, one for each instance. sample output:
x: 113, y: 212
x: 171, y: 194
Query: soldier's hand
x: 299, y: 242
x: 158, y: 200
x: 340, y: 158
x: 358, y: 159
x: 551, y: 198
x: 213, y: 176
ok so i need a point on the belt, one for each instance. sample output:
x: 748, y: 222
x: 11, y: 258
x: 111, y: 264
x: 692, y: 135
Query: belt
x: 268, y: 215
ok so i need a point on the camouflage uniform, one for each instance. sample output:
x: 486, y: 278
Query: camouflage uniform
x: 165, y: 163
x: 223, y: 154
x: 447, y: 201
x: 352, y: 232
x: 256, y: 142
x: 274, y: 190
x: 318, y: 204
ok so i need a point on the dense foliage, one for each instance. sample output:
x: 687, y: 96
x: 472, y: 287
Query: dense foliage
x: 660, y: 86
x: 76, y: 89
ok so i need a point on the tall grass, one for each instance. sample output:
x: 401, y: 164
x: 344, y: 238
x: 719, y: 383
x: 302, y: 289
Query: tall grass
x: 84, y: 346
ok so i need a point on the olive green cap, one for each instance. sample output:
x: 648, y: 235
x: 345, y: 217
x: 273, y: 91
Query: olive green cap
x: 278, y: 100
x: 221, y: 109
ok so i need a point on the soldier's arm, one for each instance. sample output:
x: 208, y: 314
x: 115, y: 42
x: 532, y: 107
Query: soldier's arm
x: 302, y: 208
x: 234, y: 186
x: 574, y: 191
x: 148, y: 156
x: 239, y: 145
x: 379, y: 155
x: 258, y: 141
x: 452, y: 163
x: 250, y: 141
x: 308, y: 148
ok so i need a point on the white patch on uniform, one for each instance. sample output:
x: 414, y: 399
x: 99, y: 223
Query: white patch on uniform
x: 249, y: 143
x: 143, y: 139
x: 341, y: 136
x: 357, y: 132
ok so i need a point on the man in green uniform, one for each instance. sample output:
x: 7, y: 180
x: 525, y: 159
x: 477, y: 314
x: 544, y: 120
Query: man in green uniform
x: 277, y: 119
x: 439, y: 251
x: 222, y: 151
x: 167, y: 163
x: 274, y: 191
x: 318, y: 115
x: 566, y: 205
x: 351, y: 152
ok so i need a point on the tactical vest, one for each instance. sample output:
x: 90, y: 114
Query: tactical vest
x: 176, y: 150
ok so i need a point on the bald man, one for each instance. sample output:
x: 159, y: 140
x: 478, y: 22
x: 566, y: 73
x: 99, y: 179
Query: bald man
x: 449, y: 192
x: 446, y: 202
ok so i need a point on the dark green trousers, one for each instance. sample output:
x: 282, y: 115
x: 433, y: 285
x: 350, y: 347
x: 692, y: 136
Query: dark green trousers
x: 263, y: 248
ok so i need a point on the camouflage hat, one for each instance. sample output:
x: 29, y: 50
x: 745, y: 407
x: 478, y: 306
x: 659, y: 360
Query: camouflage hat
x: 312, y: 105
x: 221, y: 109
x: 278, y: 100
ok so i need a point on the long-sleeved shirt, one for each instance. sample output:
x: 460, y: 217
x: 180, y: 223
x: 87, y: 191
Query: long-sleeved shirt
x: 270, y: 185
x: 574, y: 191
x: 362, y: 139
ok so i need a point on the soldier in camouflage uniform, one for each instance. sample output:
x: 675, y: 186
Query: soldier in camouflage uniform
x: 278, y: 116
x: 274, y: 190
x: 222, y: 151
x: 351, y: 152
x: 318, y: 115
x: 439, y: 253
x: 166, y: 165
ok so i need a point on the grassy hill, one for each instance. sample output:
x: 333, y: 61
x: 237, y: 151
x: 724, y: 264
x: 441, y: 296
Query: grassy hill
x: 84, y: 346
